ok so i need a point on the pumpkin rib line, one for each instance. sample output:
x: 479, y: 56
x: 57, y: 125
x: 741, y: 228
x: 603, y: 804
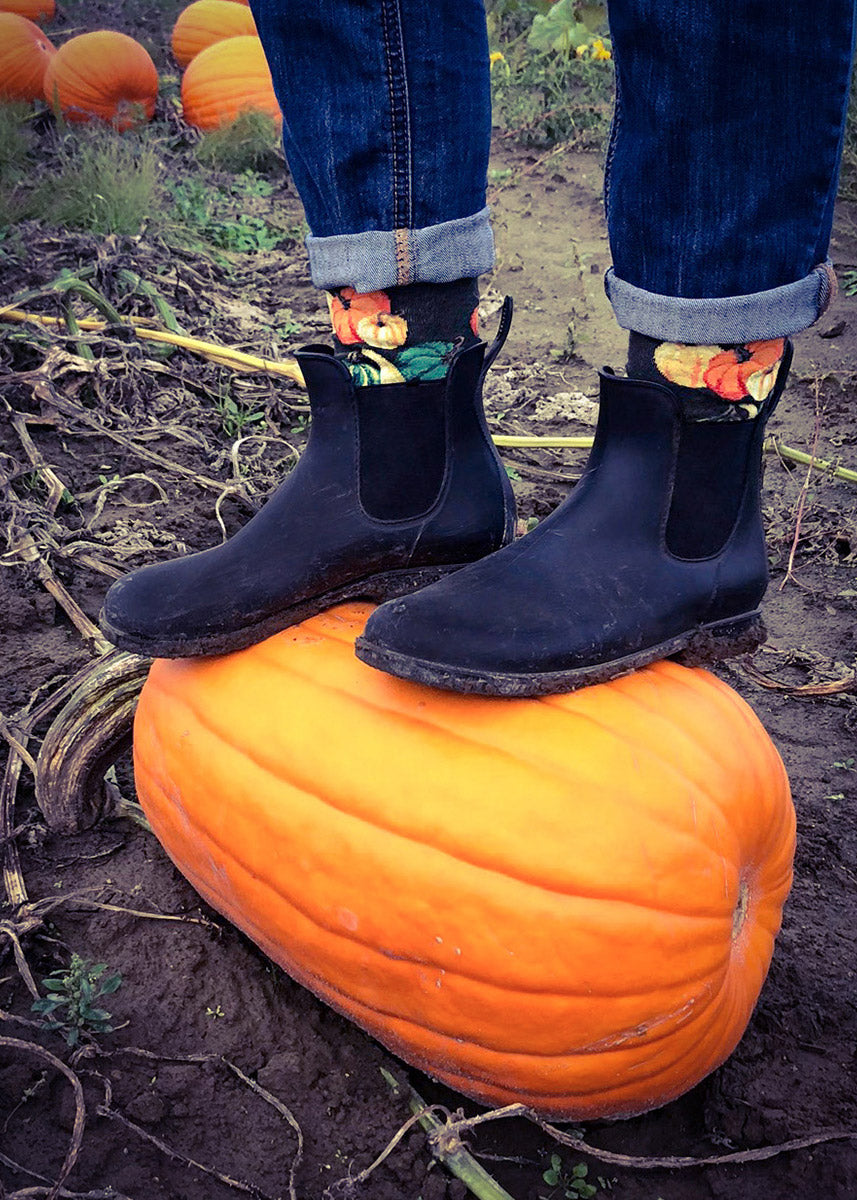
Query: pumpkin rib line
x: 596, y: 1048
x: 538, y: 765
x: 247, y: 753
x: 721, y: 967
x: 650, y: 710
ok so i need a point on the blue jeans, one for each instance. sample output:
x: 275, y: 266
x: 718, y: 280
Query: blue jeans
x: 721, y: 170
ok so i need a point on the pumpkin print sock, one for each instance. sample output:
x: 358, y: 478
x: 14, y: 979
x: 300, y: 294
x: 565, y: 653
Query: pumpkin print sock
x: 715, y: 383
x: 403, y: 333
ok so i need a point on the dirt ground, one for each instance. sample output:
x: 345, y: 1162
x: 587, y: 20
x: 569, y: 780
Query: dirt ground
x: 163, y: 1111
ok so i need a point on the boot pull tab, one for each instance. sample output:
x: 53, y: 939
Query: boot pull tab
x: 502, y: 333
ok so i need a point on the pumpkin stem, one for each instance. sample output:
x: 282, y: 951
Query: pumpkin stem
x: 739, y: 916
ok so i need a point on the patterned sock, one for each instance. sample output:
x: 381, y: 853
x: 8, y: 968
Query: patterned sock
x: 403, y: 333
x: 715, y: 383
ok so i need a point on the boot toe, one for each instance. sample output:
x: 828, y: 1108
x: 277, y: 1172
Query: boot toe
x: 161, y: 610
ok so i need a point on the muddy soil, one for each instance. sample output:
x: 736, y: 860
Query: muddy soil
x: 146, y: 452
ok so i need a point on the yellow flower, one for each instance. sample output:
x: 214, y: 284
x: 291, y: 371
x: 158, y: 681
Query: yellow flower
x: 581, y: 51
x: 599, y: 50
x: 496, y: 57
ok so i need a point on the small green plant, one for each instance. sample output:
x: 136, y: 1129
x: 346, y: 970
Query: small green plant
x: 70, y: 1007
x: 573, y: 1180
x: 847, y: 764
x: 233, y: 417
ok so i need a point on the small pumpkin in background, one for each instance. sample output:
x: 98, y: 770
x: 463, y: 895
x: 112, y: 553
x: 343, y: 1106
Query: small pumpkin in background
x: 25, y: 52
x: 226, y: 79
x: 104, y: 75
x: 205, y: 22
x: 33, y: 10
x: 568, y: 902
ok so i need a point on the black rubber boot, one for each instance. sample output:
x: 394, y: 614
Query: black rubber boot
x: 398, y: 485
x: 658, y: 552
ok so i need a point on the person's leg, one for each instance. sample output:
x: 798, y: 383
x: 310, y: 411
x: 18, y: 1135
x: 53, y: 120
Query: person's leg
x: 386, y: 129
x: 720, y: 183
x: 386, y: 126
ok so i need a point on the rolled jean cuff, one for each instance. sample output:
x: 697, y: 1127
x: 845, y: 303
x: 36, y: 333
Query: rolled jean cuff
x: 756, y: 317
x: 460, y: 249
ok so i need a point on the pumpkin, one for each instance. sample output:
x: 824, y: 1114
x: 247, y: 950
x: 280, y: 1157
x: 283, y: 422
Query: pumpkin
x: 24, y: 56
x: 348, y: 308
x: 105, y: 76
x: 684, y: 365
x: 205, y: 22
x: 383, y: 330
x: 226, y: 79
x: 33, y: 10
x: 746, y: 371
x: 568, y: 902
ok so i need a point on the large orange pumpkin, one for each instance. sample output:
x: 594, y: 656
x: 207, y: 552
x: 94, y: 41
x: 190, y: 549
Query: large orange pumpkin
x: 225, y: 80
x: 24, y: 56
x: 34, y: 10
x: 103, y: 75
x: 569, y: 902
x: 205, y: 22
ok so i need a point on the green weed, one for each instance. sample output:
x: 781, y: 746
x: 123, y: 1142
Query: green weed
x: 207, y: 210
x: 16, y: 144
x: 70, y: 1006
x: 249, y: 143
x: 16, y: 139
x: 233, y: 417
x: 572, y: 1182
x: 102, y: 182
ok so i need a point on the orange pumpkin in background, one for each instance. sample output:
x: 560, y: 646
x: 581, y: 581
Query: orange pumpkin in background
x: 33, y: 10
x: 569, y: 902
x: 103, y: 76
x: 205, y: 22
x: 24, y: 56
x: 226, y: 79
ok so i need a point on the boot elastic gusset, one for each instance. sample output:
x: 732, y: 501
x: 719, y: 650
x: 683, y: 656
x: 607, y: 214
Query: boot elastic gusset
x: 596, y: 590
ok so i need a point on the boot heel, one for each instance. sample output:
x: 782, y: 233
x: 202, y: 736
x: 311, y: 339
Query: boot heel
x: 723, y: 639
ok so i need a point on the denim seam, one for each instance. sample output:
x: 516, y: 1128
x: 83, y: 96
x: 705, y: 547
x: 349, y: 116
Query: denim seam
x: 613, y: 136
x: 400, y: 129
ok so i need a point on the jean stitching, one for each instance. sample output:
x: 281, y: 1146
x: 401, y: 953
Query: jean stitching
x: 397, y: 82
x: 404, y: 272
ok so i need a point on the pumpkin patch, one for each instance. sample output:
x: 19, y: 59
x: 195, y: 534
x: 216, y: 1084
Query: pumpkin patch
x: 569, y: 902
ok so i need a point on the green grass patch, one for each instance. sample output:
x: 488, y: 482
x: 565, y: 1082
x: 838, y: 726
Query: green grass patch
x: 104, y: 182
x: 249, y: 143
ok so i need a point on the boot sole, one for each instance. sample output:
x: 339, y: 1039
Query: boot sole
x: 377, y: 588
x: 707, y: 644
